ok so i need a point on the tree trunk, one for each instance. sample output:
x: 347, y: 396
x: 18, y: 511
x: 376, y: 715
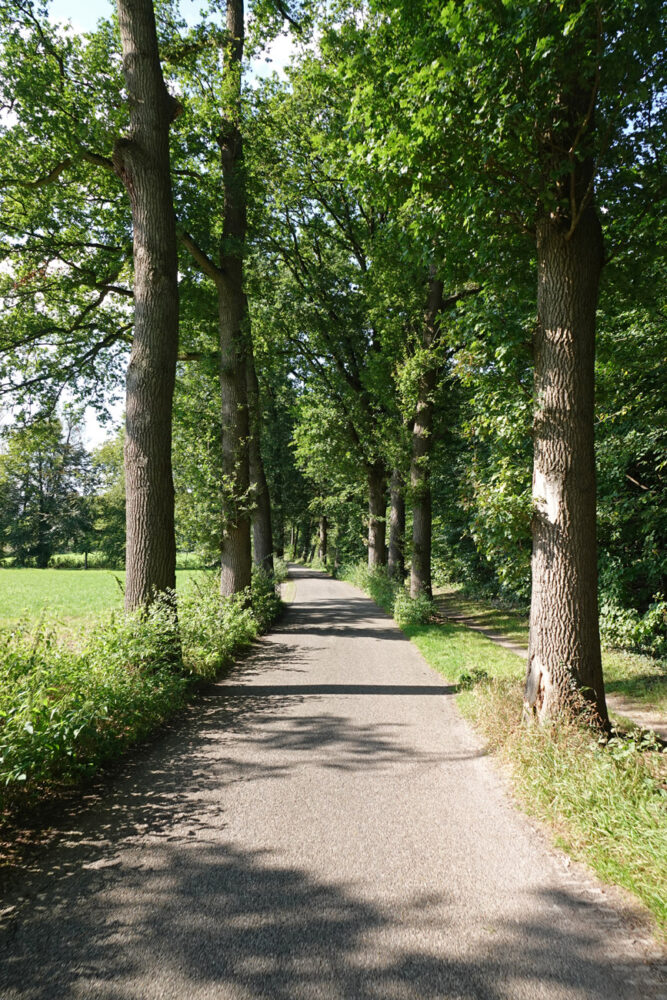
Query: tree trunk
x: 322, y: 551
x: 142, y: 162
x: 236, y: 559
x: 377, y: 515
x: 261, y: 515
x: 564, y: 645
x: 396, y: 563
x: 306, y: 529
x: 422, y: 446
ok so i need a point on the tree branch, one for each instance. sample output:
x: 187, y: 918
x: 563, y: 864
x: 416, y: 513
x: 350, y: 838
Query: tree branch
x: 205, y: 263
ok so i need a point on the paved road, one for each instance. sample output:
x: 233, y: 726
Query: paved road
x: 323, y: 825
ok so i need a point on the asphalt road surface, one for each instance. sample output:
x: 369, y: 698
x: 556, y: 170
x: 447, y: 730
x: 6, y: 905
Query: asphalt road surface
x: 321, y: 825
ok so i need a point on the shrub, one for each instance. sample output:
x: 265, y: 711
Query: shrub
x: 63, y: 712
x: 265, y: 598
x: 412, y: 611
x: 625, y: 628
x: 390, y: 594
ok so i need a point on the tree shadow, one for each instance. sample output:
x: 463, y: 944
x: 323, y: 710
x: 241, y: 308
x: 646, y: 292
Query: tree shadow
x: 209, y: 920
x: 355, y: 617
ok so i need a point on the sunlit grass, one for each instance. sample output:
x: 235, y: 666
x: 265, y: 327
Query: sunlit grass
x: 640, y: 678
x: 71, y: 599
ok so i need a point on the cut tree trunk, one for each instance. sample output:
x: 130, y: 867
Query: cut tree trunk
x: 396, y: 563
x: 261, y: 515
x: 142, y: 162
x: 422, y: 447
x: 564, y: 645
x: 377, y: 515
x: 324, y: 525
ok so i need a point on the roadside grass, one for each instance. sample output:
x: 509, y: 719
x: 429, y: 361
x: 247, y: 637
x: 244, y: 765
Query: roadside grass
x: 72, y: 600
x: 635, y: 676
x: 606, y: 803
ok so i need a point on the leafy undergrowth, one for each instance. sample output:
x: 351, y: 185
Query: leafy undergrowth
x: 636, y: 676
x: 389, y: 594
x: 606, y: 801
x: 64, y: 711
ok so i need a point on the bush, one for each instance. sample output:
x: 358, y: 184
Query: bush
x: 279, y: 569
x: 625, y: 628
x: 265, y: 598
x: 63, y: 712
x: 390, y: 594
x: 412, y: 611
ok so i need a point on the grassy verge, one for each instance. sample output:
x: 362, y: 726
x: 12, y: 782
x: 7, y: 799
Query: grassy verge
x: 68, y: 708
x: 604, y: 801
x: 635, y: 676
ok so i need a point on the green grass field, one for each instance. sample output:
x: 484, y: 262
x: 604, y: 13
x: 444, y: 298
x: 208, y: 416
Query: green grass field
x: 72, y: 599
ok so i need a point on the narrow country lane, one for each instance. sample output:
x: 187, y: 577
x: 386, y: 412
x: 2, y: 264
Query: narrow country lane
x: 321, y: 825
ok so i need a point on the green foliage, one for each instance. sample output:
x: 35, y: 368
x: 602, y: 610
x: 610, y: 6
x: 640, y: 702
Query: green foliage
x: 66, y: 710
x: 627, y: 629
x: 45, y: 486
x: 265, y: 597
x: 97, y: 559
x: 279, y: 570
x: 389, y: 594
x: 108, y: 506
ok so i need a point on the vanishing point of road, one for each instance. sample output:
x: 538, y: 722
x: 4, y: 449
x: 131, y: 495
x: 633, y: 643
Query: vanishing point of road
x: 322, y: 824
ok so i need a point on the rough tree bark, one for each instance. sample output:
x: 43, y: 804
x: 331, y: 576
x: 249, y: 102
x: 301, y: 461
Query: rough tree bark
x: 422, y: 443
x: 324, y: 526
x: 236, y: 560
x: 142, y: 161
x: 377, y: 515
x: 261, y: 516
x: 396, y: 561
x: 564, y: 644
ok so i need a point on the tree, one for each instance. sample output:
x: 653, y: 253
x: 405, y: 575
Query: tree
x: 46, y: 484
x: 75, y: 77
x: 108, y: 528
x: 143, y: 164
x: 502, y: 104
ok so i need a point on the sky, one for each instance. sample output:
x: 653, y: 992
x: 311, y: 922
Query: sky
x: 84, y: 15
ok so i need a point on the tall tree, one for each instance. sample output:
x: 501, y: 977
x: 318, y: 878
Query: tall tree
x: 46, y: 484
x: 142, y: 161
x: 78, y: 227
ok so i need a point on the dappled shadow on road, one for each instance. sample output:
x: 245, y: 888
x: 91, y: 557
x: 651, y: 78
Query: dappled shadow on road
x: 354, y: 617
x: 415, y: 690
x: 216, y: 921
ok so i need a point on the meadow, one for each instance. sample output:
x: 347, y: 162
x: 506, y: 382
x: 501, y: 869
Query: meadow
x: 71, y: 600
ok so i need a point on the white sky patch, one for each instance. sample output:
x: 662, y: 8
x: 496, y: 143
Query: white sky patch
x: 96, y: 433
x: 275, y: 57
x: 83, y: 14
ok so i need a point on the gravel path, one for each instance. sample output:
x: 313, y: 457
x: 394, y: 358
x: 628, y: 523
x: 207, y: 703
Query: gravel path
x: 321, y: 825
